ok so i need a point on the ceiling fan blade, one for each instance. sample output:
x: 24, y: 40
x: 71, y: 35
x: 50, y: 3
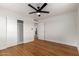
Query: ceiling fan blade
x: 32, y: 7
x: 44, y: 11
x: 43, y: 6
x: 32, y: 12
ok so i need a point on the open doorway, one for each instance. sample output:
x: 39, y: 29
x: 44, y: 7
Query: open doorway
x: 20, y: 31
x: 41, y: 31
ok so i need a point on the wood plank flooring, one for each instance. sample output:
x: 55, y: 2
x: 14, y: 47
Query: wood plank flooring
x: 40, y: 48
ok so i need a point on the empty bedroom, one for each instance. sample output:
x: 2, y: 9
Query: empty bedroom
x: 39, y: 29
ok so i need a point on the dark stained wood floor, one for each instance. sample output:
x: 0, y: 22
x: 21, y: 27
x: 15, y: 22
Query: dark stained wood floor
x: 40, y: 48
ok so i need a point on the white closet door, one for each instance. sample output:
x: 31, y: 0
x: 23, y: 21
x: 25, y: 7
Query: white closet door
x: 40, y: 30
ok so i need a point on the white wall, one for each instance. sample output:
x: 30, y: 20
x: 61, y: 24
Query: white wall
x: 28, y: 30
x: 2, y: 32
x: 8, y: 28
x: 11, y: 31
x: 62, y: 28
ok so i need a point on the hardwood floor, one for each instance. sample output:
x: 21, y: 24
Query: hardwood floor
x: 40, y: 48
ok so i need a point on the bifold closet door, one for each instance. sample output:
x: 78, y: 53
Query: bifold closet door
x: 20, y: 31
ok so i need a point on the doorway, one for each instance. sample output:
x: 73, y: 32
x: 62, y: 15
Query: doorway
x: 20, y: 31
x: 41, y: 31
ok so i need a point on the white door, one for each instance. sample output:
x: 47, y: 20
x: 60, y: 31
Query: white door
x: 41, y: 32
x: 20, y: 31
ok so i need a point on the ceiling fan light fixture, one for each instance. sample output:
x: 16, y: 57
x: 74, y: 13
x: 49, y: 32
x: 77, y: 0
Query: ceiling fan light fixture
x: 38, y: 10
x: 38, y: 13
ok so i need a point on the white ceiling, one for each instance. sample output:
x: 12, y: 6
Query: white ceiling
x: 54, y: 8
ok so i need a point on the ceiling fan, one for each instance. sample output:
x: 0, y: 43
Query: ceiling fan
x: 38, y: 10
